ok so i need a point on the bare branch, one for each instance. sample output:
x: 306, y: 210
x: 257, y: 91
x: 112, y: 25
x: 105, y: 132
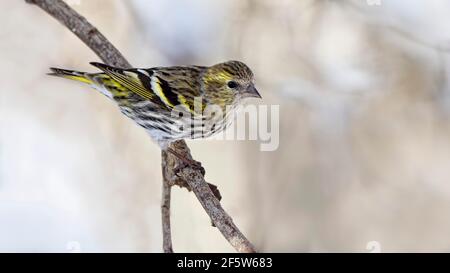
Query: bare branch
x: 165, y: 207
x: 188, y: 177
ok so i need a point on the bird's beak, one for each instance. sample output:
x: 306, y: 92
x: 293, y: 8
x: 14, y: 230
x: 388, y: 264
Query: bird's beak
x: 251, y: 92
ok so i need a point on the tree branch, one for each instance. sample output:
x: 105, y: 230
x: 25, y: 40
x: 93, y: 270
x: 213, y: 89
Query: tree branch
x: 165, y: 207
x: 187, y: 177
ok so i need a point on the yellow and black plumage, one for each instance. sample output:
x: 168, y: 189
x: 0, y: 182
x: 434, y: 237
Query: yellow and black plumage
x: 150, y: 96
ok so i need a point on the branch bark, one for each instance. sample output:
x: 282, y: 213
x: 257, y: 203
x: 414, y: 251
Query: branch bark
x: 165, y: 207
x: 187, y: 177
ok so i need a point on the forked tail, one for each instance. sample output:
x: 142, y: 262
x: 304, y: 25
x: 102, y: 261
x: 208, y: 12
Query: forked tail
x: 71, y: 74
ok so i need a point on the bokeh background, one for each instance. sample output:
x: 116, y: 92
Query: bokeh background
x: 364, y: 149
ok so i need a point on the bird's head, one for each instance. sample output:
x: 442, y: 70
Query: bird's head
x: 227, y: 83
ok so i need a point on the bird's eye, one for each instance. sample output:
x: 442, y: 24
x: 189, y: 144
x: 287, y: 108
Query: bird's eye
x: 232, y: 84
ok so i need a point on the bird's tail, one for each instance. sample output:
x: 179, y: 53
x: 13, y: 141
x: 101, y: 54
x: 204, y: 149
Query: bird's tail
x: 71, y: 74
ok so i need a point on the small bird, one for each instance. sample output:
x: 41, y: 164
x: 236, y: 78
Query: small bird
x: 173, y: 103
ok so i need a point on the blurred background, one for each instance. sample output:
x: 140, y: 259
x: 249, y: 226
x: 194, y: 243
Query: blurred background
x: 364, y: 149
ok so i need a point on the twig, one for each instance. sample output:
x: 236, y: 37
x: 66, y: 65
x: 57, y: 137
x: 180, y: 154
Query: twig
x: 187, y: 177
x: 165, y: 207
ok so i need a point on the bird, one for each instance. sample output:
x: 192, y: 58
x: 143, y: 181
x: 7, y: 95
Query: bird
x: 176, y: 102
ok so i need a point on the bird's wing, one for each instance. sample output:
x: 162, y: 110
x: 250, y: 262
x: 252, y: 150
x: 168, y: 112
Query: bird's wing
x: 166, y: 86
x: 138, y: 81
